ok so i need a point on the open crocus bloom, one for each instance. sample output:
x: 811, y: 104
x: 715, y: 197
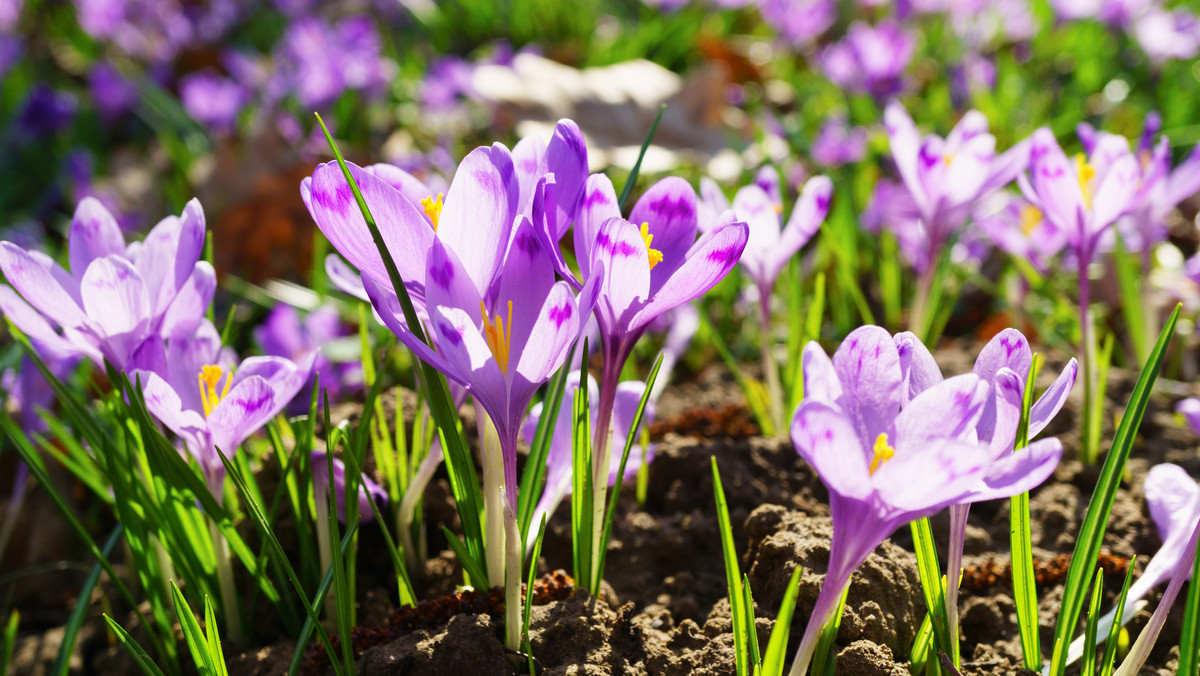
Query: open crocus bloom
x: 116, y: 300
x: 220, y: 407
x: 1174, y: 501
x: 559, y: 459
x: 768, y: 248
x: 946, y: 176
x: 499, y: 343
x: 368, y: 490
x: 883, y: 466
x: 1085, y: 196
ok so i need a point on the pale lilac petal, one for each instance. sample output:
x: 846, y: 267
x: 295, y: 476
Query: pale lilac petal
x: 707, y: 263
x: 118, y: 302
x: 33, y: 324
x: 754, y: 207
x: 669, y: 207
x: 465, y: 350
x: 1007, y: 349
x: 169, y: 253
x: 477, y: 218
x: 929, y: 477
x: 712, y: 204
x: 1053, y: 180
x: 949, y: 410
x: 242, y: 412
x: 972, y: 126
x: 94, y: 234
x: 39, y: 287
x: 868, y: 367
x: 545, y: 213
x: 597, y: 204
x: 968, y: 169
x: 566, y: 158
x: 826, y: 439
x: 1007, y: 166
x: 345, y: 278
x: 164, y: 404
x: 368, y: 490
x: 820, y: 379
x: 1185, y: 180
x: 998, y: 425
x: 1190, y: 410
x: 807, y: 216
x: 1018, y: 472
x: 187, y: 354
x: 556, y: 327
x: 188, y: 307
x: 412, y: 188
x: 920, y: 370
x: 1052, y: 400
x: 528, y: 158
x: 448, y: 284
x: 403, y: 226
x: 1171, y: 496
x: 1115, y: 192
x: 525, y: 280
x: 905, y: 143
x: 284, y: 376
x: 620, y: 253
x: 767, y: 178
x: 387, y: 307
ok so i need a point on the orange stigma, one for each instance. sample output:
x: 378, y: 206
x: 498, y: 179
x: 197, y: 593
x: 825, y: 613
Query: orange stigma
x: 433, y: 209
x: 498, y: 335
x: 656, y: 256
x: 210, y: 376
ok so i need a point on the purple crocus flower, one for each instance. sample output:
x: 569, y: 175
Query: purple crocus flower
x: 711, y: 205
x: 870, y: 60
x: 111, y: 92
x: 1018, y: 228
x: 798, y: 22
x: 768, y: 249
x: 837, y: 143
x: 284, y: 334
x: 46, y: 112
x: 883, y: 466
x: 1004, y: 365
x: 1174, y: 501
x: 1166, y: 34
x: 215, y: 406
x: 10, y: 51
x: 368, y: 490
x: 117, y: 302
x: 213, y: 100
x: 559, y: 460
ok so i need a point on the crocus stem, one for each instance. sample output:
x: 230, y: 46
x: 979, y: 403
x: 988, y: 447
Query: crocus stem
x: 958, y: 533
x: 827, y: 602
x: 614, y: 361
x: 325, y: 553
x: 512, y: 579
x: 770, y: 369
x: 233, y: 620
x: 493, y: 498
x: 920, y: 308
x: 408, y: 505
x: 1145, y: 641
x: 1087, y: 361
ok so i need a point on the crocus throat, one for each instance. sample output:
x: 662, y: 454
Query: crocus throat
x: 498, y: 335
x: 1030, y: 217
x: 1085, y: 173
x: 655, y: 255
x: 883, y: 452
x: 209, y: 377
x: 433, y: 208
x: 947, y: 158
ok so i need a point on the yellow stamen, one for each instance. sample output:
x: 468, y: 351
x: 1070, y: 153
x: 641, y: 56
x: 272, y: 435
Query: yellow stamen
x: 883, y: 452
x: 656, y: 256
x: 947, y: 159
x: 210, y: 376
x: 778, y: 208
x: 1030, y: 217
x: 1085, y: 173
x: 498, y: 335
x: 433, y: 208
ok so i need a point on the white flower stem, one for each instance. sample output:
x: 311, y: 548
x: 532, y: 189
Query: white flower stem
x: 233, y: 620
x: 493, y: 498
x: 512, y: 578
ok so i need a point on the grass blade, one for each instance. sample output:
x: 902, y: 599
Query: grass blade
x: 527, y: 611
x: 135, y: 650
x: 733, y: 577
x: 922, y: 645
x: 8, y: 641
x: 213, y: 636
x: 470, y: 566
x: 62, y: 663
x: 192, y: 634
x: 1089, y: 642
x: 1189, y: 638
x: 931, y: 582
x: 318, y: 601
x: 581, y: 482
x: 772, y: 664
x: 1091, y: 533
x: 1021, y: 544
x: 637, y: 166
x: 1110, y: 645
x: 750, y: 628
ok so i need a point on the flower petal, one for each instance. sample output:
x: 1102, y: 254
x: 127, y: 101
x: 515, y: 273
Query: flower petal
x: 669, y: 207
x: 529, y: 161
x: 404, y: 229
x: 188, y: 306
x: 33, y: 324
x: 39, y: 287
x: 949, y: 410
x: 752, y: 206
x: 1052, y: 400
x: 116, y: 299
x: 709, y: 261
x: 387, y: 307
x: 556, y: 327
x: 868, y: 367
x: 1171, y: 496
x: 477, y: 218
x: 597, y: 204
x: 94, y: 234
x: 1018, y: 472
x: 998, y: 425
x: 168, y: 255
x: 164, y: 404
x: 929, y: 477
x: 242, y: 412
x: 619, y: 253
x: 826, y: 439
x: 347, y: 279
x: 820, y: 379
x: 463, y: 347
x: 525, y: 280
x: 712, y: 204
x: 566, y: 158
x: 905, y: 143
x: 918, y: 367
x: 412, y: 188
x: 807, y: 216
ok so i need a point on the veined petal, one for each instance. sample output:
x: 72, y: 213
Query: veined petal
x: 404, y: 229
x: 949, y: 410
x: 972, y: 125
x: 529, y: 161
x: 448, y: 284
x: 868, y: 367
x: 387, y: 307
x: 169, y: 253
x: 1010, y: 349
x: 597, y: 204
x: 545, y: 225
x: 1171, y: 495
x: 826, y: 439
x: 998, y: 425
x: 767, y: 178
x: 1007, y: 166
x: 117, y: 301
x: 918, y: 367
x: 712, y: 204
x: 463, y: 347
x: 242, y: 412
x: 752, y: 206
x: 807, y: 216
x: 187, y: 354
x: 1052, y: 400
x: 923, y: 480
x: 620, y: 255
x: 1018, y: 472
x: 968, y: 169
x: 38, y: 286
x: 820, y: 379
x: 94, y: 234
x: 525, y: 280
x: 188, y: 306
x: 669, y: 207
x: 284, y: 376
x: 1053, y: 181
x: 477, y: 218
x: 1115, y: 191
x: 1184, y: 181
x: 707, y: 263
x: 566, y: 158
x: 550, y: 338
